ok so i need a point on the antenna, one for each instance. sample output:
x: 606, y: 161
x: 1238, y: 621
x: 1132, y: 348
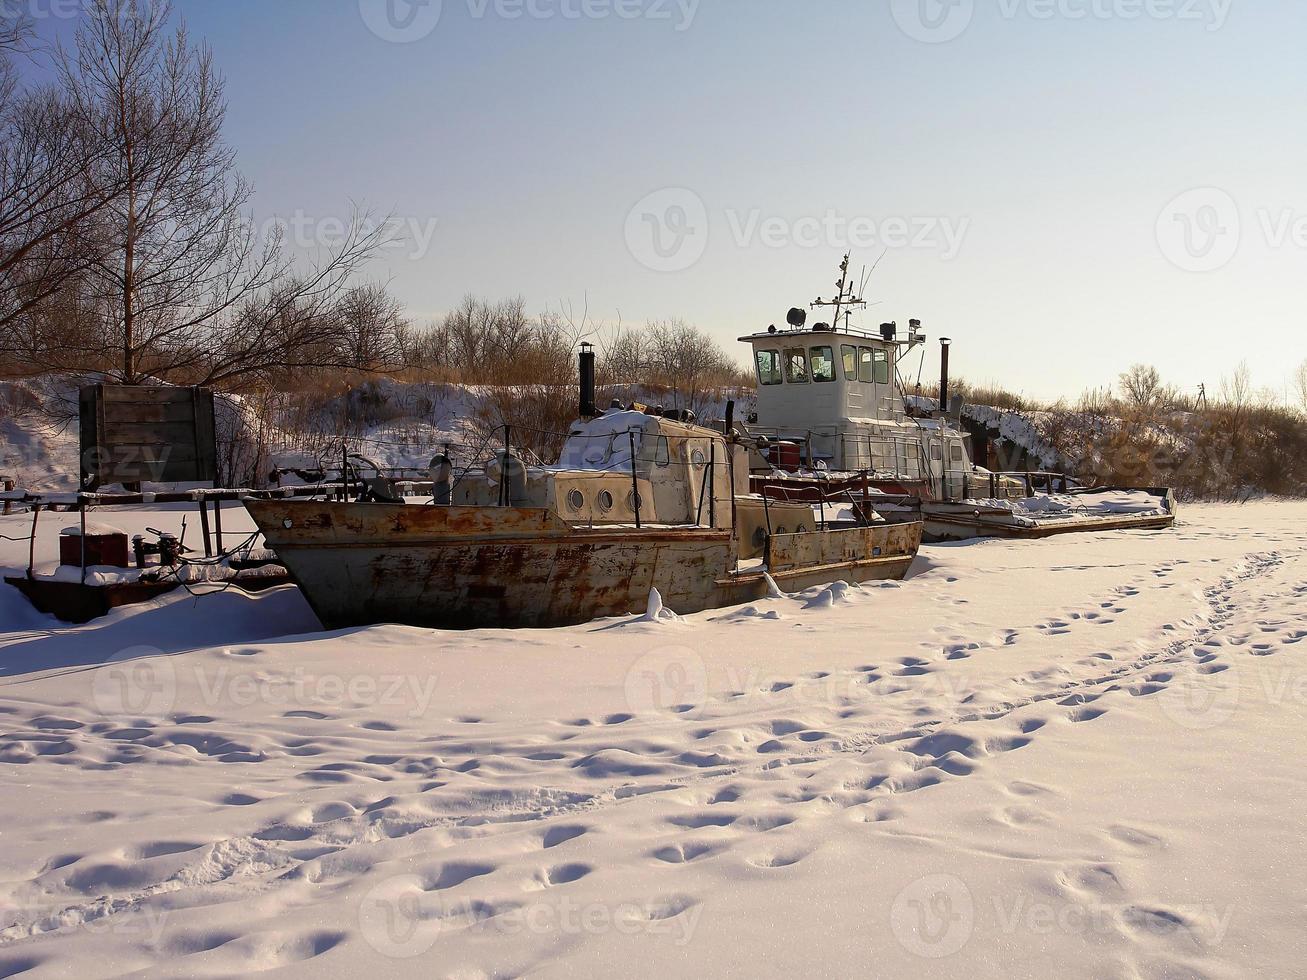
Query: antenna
x: 846, y: 299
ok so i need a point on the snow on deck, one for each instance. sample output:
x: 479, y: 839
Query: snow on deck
x: 1058, y: 508
x: 1077, y: 757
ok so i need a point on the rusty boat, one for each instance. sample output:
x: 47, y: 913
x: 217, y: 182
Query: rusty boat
x: 636, y: 502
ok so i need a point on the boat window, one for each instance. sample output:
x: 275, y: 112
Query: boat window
x: 823, y: 364
x: 956, y: 452
x: 796, y: 366
x: 698, y: 458
x: 576, y: 500
x: 866, y: 371
x: 936, y: 452
x: 882, y: 367
x: 849, y: 353
x: 769, y: 367
x: 663, y: 452
x: 634, y: 500
x: 605, y: 501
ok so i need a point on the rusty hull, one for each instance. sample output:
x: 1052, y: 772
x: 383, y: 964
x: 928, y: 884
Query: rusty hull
x: 475, y: 567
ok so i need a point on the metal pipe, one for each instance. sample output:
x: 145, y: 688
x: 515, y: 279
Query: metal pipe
x: 82, y: 510
x: 712, y: 484
x: 217, y: 523
x: 635, y: 482
x: 703, y: 492
x: 31, y: 550
x: 504, y: 495
x: 204, y: 526
x: 944, y: 345
x: 589, y: 408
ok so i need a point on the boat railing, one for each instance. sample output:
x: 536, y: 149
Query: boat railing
x: 816, y: 496
x: 889, y: 456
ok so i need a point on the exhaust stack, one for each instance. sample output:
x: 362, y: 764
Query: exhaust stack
x: 589, y: 409
x: 944, y: 345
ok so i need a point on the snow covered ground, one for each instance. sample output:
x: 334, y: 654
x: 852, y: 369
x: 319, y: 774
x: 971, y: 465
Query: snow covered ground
x: 1079, y: 757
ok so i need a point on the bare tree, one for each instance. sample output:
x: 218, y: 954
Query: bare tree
x: 157, y: 260
x: 181, y: 252
x: 688, y: 362
x: 1237, y: 388
x: 51, y: 187
x: 370, y: 325
x: 1300, y: 386
x: 1142, y: 386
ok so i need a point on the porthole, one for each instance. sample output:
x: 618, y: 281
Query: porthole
x: 759, y: 538
x: 576, y: 500
x: 698, y: 458
x: 634, y: 500
x: 781, y: 530
x: 605, y: 501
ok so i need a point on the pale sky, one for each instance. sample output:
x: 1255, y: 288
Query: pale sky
x: 1064, y: 187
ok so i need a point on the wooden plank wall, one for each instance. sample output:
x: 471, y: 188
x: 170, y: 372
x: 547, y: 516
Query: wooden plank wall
x: 132, y: 435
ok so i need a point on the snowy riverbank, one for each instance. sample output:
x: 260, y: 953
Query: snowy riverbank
x: 1079, y: 756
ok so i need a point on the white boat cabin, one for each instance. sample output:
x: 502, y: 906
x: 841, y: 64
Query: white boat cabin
x: 835, y: 393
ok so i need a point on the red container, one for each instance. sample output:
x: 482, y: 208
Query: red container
x: 785, y: 456
x: 104, y: 546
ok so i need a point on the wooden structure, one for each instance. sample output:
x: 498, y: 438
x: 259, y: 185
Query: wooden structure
x: 131, y: 435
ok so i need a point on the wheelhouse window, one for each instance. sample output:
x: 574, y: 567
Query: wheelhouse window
x: 882, y: 367
x: 823, y: 364
x: 866, y: 366
x: 849, y: 354
x: 769, y: 367
x: 796, y: 366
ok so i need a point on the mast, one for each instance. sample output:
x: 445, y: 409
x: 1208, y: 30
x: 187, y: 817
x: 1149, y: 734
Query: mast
x: 845, y: 296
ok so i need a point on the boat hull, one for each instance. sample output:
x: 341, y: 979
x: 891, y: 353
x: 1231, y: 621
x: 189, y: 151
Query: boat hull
x: 962, y: 522
x: 468, y: 568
